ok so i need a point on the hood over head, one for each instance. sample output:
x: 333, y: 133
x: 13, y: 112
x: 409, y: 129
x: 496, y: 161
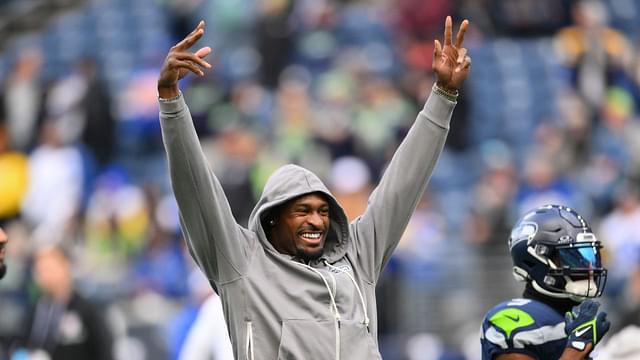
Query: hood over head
x: 290, y: 182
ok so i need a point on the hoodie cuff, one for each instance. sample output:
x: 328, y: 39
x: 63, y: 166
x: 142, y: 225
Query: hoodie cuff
x: 173, y: 105
x: 439, y: 109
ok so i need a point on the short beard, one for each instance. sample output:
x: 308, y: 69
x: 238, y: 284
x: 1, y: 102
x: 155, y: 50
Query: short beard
x: 3, y: 270
x: 306, y: 257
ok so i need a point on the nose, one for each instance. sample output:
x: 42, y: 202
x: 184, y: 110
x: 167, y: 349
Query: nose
x: 315, y: 219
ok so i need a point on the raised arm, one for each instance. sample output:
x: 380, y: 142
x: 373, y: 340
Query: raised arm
x: 179, y: 62
x: 392, y: 203
x: 217, y: 243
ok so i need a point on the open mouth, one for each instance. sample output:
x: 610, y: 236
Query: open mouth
x: 311, y: 236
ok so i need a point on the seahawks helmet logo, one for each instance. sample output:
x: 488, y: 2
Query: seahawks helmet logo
x: 525, y: 230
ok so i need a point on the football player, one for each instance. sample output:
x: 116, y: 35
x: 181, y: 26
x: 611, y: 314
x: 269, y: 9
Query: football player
x: 558, y: 257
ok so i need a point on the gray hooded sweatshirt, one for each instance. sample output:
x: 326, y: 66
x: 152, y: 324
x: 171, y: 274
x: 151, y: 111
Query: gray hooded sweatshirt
x: 276, y: 306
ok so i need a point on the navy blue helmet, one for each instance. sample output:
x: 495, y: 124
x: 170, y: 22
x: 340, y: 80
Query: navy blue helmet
x: 554, y: 249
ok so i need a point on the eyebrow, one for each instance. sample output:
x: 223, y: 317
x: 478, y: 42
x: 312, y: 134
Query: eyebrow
x: 307, y: 205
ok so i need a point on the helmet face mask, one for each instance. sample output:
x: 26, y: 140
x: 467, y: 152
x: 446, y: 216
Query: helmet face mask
x: 554, y: 249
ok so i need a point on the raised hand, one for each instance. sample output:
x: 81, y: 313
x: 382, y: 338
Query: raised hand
x: 451, y: 63
x: 180, y: 61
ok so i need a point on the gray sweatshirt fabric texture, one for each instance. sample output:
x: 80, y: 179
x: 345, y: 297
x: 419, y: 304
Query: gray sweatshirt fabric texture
x: 276, y: 306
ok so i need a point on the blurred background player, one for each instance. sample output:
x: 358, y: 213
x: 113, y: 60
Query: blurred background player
x: 558, y: 257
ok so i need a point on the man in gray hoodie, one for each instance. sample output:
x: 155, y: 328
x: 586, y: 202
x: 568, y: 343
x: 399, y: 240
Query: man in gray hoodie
x: 299, y: 283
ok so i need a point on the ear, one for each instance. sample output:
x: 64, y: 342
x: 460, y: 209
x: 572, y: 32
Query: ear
x: 272, y: 222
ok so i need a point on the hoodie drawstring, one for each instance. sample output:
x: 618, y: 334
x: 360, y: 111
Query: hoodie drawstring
x: 332, y: 307
x: 364, y: 304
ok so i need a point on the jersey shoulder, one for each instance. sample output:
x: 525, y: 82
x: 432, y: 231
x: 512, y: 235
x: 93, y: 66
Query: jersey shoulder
x: 524, y: 326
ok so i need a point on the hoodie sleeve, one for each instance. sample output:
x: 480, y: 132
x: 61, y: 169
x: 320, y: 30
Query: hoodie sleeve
x: 216, y: 242
x: 379, y: 229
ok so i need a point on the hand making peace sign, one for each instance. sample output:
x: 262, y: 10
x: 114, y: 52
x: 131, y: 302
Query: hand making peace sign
x: 180, y: 61
x: 451, y: 62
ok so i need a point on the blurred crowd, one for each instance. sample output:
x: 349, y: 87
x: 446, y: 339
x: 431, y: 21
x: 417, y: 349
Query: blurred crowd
x: 332, y: 85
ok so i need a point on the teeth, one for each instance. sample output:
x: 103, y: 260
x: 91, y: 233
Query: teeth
x: 313, y: 236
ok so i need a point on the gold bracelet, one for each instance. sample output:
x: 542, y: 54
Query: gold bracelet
x: 451, y: 96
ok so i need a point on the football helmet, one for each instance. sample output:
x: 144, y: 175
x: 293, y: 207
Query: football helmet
x: 553, y: 248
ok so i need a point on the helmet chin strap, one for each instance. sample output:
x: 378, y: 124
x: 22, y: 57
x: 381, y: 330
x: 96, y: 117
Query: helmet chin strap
x: 575, y: 290
x: 541, y: 290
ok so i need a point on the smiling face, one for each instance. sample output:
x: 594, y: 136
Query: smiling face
x: 3, y: 245
x: 300, y: 227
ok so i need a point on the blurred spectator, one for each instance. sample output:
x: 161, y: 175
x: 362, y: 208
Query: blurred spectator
x: 208, y: 338
x: 379, y: 114
x: 487, y: 227
x: 14, y: 178
x: 594, y: 52
x: 63, y: 106
x: 177, y: 329
x: 275, y: 38
x: 55, y: 185
x: 99, y: 123
x: 421, y: 20
x: 630, y: 304
x: 429, y: 263
x: 575, y: 124
x: 598, y: 179
x: 623, y: 345
x: 620, y: 233
x: 336, y: 92
x: 528, y: 17
x: 15, y: 288
x: 618, y: 133
x: 161, y: 265
x: 542, y: 184
x: 138, y: 131
x: 350, y: 183
x: 23, y: 100
x: 115, y: 228
x: 234, y: 155
x: 64, y: 323
x: 181, y: 14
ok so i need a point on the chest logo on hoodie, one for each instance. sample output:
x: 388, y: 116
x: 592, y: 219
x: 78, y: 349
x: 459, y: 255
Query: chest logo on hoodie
x: 340, y: 269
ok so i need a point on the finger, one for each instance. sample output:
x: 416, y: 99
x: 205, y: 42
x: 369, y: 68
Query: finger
x: 183, y: 64
x: 462, y: 54
x: 461, y: 31
x: 193, y: 58
x: 202, y: 52
x: 602, y: 317
x: 191, y: 39
x: 466, y: 63
x: 568, y: 316
x: 592, y: 306
x: 448, y: 24
x: 437, y: 49
x: 575, y: 309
